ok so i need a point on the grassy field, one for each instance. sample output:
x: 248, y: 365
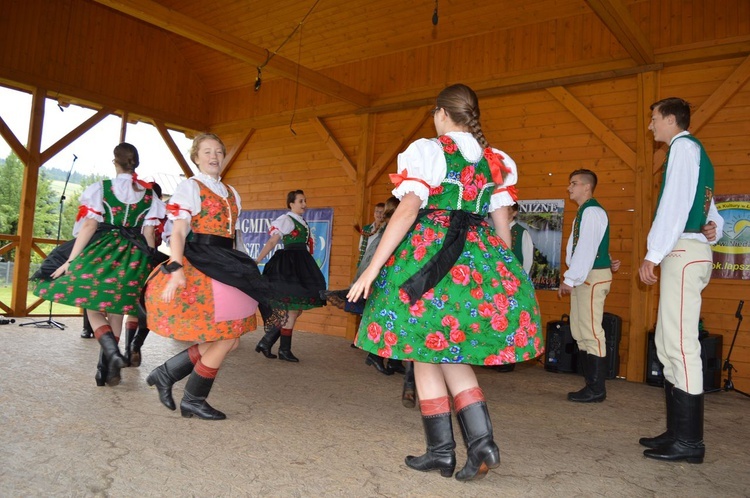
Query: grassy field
x: 42, y: 309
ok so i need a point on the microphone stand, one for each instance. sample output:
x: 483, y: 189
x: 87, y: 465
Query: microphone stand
x: 49, y: 322
x: 728, y: 384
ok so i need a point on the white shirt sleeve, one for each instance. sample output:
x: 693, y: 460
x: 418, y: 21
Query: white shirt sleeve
x: 186, y: 201
x: 527, y: 249
x: 677, y: 197
x: 281, y: 225
x: 237, y: 226
x: 423, y: 167
x: 581, y: 261
x: 504, y: 194
x: 93, y: 199
x: 156, y: 212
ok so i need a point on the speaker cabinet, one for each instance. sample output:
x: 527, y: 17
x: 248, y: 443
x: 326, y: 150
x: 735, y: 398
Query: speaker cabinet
x: 561, y: 350
x: 711, y: 349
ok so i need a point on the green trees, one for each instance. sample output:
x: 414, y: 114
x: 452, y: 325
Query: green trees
x: 47, y: 203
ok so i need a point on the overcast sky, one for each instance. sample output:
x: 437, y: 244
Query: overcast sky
x: 94, y: 148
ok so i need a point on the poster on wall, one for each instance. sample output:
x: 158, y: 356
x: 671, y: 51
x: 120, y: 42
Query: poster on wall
x: 732, y: 251
x: 254, y: 225
x: 544, y: 221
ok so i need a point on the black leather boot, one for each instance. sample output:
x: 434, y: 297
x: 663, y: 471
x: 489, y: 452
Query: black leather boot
x: 668, y: 436
x: 440, y: 455
x: 135, y: 346
x: 582, y: 356
x: 194, y: 399
x: 285, y: 349
x: 266, y: 343
x: 129, y: 334
x: 101, y: 370
x: 377, y: 362
x: 396, y: 366
x: 595, y: 390
x: 165, y: 375
x: 112, y: 357
x: 482, y: 453
x: 409, y: 394
x: 86, y: 332
x: 688, y: 430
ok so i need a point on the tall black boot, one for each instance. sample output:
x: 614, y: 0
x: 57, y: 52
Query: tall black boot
x: 165, y: 375
x: 440, y: 455
x: 595, y: 390
x: 135, y: 346
x: 113, y: 358
x: 688, y: 430
x: 87, y: 332
x: 285, y: 349
x: 266, y: 343
x: 194, y: 399
x: 101, y: 370
x: 396, y: 366
x: 377, y: 362
x: 409, y: 394
x: 668, y: 436
x: 482, y: 453
x: 129, y: 334
x: 582, y: 356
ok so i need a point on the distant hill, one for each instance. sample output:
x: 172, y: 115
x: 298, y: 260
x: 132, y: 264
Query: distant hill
x: 75, y: 177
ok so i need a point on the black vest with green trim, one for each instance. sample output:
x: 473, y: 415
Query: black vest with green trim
x: 704, y: 193
x: 602, y: 254
x: 516, y: 234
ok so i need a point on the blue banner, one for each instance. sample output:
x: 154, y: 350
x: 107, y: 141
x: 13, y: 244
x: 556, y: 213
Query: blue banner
x: 254, y: 226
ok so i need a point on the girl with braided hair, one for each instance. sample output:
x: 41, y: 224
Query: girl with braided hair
x: 111, y: 257
x: 444, y: 288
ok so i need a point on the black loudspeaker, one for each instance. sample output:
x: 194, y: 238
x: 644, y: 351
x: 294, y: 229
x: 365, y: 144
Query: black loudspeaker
x: 612, y: 325
x: 711, y: 348
x: 561, y: 349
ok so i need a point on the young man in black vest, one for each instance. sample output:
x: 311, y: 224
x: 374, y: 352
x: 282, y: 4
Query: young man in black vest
x: 675, y: 243
x: 587, y: 280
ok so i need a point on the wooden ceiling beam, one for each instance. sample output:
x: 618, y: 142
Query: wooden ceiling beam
x: 333, y: 145
x: 398, y: 144
x: 233, y: 154
x: 593, y: 123
x: 170, y: 20
x: 75, y: 133
x: 162, y: 129
x: 620, y: 23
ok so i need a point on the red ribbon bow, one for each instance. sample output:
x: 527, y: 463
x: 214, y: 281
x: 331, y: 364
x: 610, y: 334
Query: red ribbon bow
x: 174, y: 209
x: 398, y: 178
x: 141, y: 182
x: 83, y: 210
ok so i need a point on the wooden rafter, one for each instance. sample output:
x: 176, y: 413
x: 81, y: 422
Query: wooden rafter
x: 233, y: 154
x: 398, y: 144
x: 161, y: 127
x: 180, y: 24
x: 618, y: 20
x: 13, y: 142
x: 713, y: 104
x: 335, y: 148
x: 74, y: 134
x: 593, y: 123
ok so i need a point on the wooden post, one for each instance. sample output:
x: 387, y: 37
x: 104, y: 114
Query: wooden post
x: 361, y: 204
x: 642, y: 316
x: 28, y: 203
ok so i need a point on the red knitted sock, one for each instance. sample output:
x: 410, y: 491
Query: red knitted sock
x: 204, y: 371
x: 435, y: 406
x: 286, y: 332
x: 101, y: 331
x: 467, y: 397
x: 194, y: 353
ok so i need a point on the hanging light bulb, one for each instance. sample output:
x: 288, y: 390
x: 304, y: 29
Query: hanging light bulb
x: 435, y: 14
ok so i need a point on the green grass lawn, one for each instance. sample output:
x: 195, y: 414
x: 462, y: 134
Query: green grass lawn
x: 42, y: 309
